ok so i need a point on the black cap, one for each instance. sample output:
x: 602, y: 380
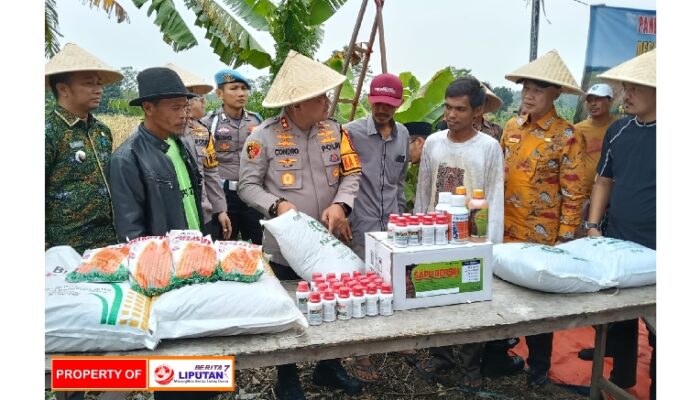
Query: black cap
x: 159, y: 83
x: 419, y: 128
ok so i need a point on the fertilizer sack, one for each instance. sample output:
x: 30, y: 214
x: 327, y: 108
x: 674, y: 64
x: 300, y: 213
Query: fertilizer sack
x: 549, y: 269
x: 308, y: 247
x: 630, y: 264
x: 91, y: 316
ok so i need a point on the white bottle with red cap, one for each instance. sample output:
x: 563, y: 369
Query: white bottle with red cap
x: 344, y: 304
x: 414, y: 231
x: 401, y: 233
x: 427, y: 231
x: 372, y: 298
x: 390, y: 226
x: 329, y: 304
x: 303, y: 296
x: 359, y: 303
x: 441, y: 229
x: 386, y: 300
x: 315, y: 309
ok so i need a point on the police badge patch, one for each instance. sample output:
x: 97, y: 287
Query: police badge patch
x: 253, y: 149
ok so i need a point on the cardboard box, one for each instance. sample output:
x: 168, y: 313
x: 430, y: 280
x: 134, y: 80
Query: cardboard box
x: 439, y: 275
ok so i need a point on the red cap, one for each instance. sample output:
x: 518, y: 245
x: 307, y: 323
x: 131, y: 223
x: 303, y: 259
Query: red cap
x: 387, y: 89
x: 303, y: 286
x: 386, y: 288
x: 442, y: 219
x: 351, y: 283
x: 331, y: 281
x: 372, y: 286
x: 420, y: 215
x: 414, y: 221
x: 315, y: 297
x: 328, y: 295
x: 358, y: 292
x: 316, y: 275
x: 433, y: 214
x: 330, y: 275
x: 321, y: 287
x: 406, y: 215
x: 427, y: 220
x: 401, y: 223
x: 336, y: 286
x: 344, y: 292
x: 356, y: 274
x: 344, y: 276
x: 378, y: 281
x: 370, y: 274
x: 364, y: 281
x: 372, y: 290
x: 358, y: 287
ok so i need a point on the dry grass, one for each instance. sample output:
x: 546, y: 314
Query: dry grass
x: 121, y: 126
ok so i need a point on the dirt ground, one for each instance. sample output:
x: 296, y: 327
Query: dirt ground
x: 399, y: 382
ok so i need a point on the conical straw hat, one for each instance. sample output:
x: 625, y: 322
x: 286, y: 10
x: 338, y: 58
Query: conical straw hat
x: 493, y: 103
x: 548, y: 68
x: 299, y: 79
x: 72, y: 59
x: 192, y: 82
x: 640, y: 70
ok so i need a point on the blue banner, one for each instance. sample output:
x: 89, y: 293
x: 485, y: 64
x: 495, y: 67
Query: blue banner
x: 615, y: 35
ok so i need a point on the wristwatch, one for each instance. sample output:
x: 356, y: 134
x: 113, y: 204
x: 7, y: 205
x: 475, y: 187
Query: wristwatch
x: 346, y: 208
x: 273, y: 208
x: 591, y: 225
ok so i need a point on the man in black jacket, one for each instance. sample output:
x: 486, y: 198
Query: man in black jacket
x: 156, y: 186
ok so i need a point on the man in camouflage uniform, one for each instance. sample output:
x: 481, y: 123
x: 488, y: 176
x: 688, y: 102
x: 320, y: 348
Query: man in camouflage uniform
x: 302, y: 160
x: 231, y: 124
x: 77, y: 150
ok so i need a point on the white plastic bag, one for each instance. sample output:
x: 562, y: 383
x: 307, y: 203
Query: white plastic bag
x: 549, y: 269
x: 91, y: 316
x: 630, y: 264
x: 225, y: 308
x: 308, y: 247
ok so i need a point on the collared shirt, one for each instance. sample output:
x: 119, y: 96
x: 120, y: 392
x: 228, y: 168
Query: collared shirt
x: 384, y: 164
x: 629, y: 158
x: 77, y: 201
x: 229, y: 136
x: 544, y: 171
x: 593, y: 134
x: 490, y: 128
x: 201, y: 144
x: 312, y: 170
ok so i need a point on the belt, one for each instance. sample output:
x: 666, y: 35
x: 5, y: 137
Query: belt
x: 230, y: 185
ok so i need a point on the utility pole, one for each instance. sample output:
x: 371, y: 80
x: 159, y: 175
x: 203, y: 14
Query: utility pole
x: 534, y: 28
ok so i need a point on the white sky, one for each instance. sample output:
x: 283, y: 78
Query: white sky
x: 492, y: 38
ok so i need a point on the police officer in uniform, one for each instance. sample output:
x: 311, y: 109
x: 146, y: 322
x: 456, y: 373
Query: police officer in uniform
x: 302, y: 160
x: 231, y: 124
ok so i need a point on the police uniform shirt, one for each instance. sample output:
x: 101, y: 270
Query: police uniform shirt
x: 229, y: 136
x: 312, y: 170
x: 201, y: 143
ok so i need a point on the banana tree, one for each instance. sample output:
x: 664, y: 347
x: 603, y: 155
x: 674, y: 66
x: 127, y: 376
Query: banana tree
x: 291, y: 23
x: 424, y: 103
x: 51, y: 28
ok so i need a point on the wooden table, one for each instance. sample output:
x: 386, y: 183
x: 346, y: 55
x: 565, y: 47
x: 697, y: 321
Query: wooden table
x: 514, y: 311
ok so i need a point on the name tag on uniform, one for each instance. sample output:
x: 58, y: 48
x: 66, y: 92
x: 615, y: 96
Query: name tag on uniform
x: 77, y: 144
x: 513, y: 140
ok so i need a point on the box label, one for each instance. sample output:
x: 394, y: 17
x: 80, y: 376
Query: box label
x: 441, y: 278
